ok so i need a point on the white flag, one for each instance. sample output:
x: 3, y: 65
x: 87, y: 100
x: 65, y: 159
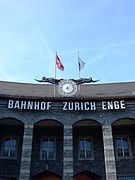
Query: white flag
x: 80, y: 63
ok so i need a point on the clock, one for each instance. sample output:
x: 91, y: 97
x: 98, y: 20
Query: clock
x: 67, y: 88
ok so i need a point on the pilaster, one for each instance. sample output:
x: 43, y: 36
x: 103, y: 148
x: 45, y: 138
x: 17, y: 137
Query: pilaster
x: 26, y: 153
x: 68, y: 153
x: 110, y: 166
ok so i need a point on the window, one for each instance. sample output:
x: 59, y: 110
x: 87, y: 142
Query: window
x: 85, y: 148
x: 9, y: 147
x: 122, y: 147
x: 47, y: 148
x: 126, y: 178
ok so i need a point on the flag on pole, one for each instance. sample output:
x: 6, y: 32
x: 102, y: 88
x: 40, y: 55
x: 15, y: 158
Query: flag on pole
x: 59, y: 64
x: 81, y: 63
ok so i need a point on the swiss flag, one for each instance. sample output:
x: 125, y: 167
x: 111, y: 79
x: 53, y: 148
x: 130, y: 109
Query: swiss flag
x: 59, y: 64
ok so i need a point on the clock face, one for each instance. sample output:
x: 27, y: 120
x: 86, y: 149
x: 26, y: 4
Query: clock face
x: 67, y: 88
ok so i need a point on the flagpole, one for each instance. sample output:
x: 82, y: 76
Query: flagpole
x: 79, y: 86
x: 55, y: 76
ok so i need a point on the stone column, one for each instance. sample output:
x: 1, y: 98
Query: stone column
x: 68, y: 153
x: 110, y: 166
x: 26, y: 153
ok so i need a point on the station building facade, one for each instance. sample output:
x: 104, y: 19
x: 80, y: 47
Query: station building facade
x: 88, y: 136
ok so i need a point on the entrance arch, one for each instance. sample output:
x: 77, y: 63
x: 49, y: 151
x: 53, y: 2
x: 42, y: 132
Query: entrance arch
x: 124, y: 135
x: 88, y: 141
x: 11, y: 137
x: 48, y: 137
x: 83, y: 176
x: 48, y: 176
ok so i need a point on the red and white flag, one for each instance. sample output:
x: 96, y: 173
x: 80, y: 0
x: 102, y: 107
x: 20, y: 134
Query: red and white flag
x: 59, y: 64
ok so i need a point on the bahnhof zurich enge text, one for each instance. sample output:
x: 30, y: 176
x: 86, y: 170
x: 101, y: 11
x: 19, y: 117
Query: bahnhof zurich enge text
x: 67, y: 131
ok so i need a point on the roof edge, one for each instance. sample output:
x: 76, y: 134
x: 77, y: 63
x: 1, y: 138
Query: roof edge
x: 27, y: 83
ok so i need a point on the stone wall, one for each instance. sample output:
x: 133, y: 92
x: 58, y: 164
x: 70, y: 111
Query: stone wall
x: 101, y: 142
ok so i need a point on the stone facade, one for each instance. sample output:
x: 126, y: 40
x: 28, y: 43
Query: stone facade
x: 102, y: 126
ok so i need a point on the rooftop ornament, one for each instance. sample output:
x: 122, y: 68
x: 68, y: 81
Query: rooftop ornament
x: 77, y: 81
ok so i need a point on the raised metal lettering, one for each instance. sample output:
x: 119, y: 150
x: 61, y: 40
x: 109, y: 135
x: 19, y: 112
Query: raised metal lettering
x: 65, y: 106
x: 10, y: 104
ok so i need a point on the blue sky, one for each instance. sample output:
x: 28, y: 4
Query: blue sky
x: 103, y: 31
